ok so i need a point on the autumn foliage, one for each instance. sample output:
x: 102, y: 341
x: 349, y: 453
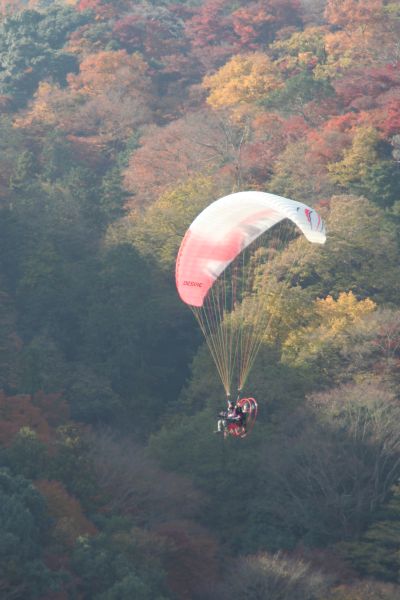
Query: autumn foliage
x: 120, y: 121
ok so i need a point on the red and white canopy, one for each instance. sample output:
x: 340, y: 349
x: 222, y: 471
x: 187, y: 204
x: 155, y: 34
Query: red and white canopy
x: 228, y: 226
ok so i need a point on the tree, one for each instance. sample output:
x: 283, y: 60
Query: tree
x: 133, y: 484
x: 328, y: 142
x: 71, y: 466
x: 245, y: 78
x: 300, y: 178
x: 361, y: 12
x: 22, y: 411
x: 107, y: 100
x: 257, y: 23
x: 331, y: 323
x: 366, y: 590
x: 211, y: 33
x: 271, y: 576
x: 365, y: 171
x: 197, y: 144
x: 115, y: 563
x: 159, y: 230
x: 363, y: 33
x: 344, y: 445
x: 116, y: 87
x: 113, y: 196
x: 90, y: 395
x: 191, y: 563
x: 269, y: 135
x: 375, y: 553
x: 24, y: 526
x: 12, y: 146
x: 104, y: 10
x: 10, y: 343
x: 68, y: 520
x: 154, y: 31
x: 31, y: 49
x: 126, y: 337
x: 361, y: 88
x: 27, y: 455
x: 297, y: 93
x: 349, y: 261
x: 304, y: 48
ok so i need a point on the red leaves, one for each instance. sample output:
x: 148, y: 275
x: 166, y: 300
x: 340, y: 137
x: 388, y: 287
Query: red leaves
x: 361, y: 88
x: 256, y: 24
x: 66, y: 511
x: 41, y: 413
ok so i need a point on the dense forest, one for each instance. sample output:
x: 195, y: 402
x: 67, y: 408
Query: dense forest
x: 120, y: 121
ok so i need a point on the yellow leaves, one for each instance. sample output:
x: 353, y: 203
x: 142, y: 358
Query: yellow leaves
x: 159, y: 230
x: 245, y: 78
x: 357, y: 159
x: 301, y: 48
x: 331, y: 320
x: 346, y: 49
x: 337, y: 315
x: 43, y: 110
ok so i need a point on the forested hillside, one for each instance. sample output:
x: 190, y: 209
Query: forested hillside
x: 120, y: 121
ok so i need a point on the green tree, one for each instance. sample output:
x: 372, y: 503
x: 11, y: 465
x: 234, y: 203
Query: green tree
x: 376, y: 553
x: 367, y: 168
x: 126, y: 334
x: 24, y: 178
x: 112, y: 196
x: 31, y: 45
x: 27, y: 455
x: 327, y: 472
x: 361, y: 254
x: 298, y: 91
x: 299, y: 175
x: 56, y: 157
x: 110, y: 566
x: 24, y: 525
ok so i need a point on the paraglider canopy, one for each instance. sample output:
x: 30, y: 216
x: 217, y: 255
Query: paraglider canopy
x: 228, y: 226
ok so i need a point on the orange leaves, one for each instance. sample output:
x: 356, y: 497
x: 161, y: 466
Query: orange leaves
x: 49, y: 104
x: 353, y: 13
x: 364, y: 33
x: 105, y: 70
x: 107, y: 99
